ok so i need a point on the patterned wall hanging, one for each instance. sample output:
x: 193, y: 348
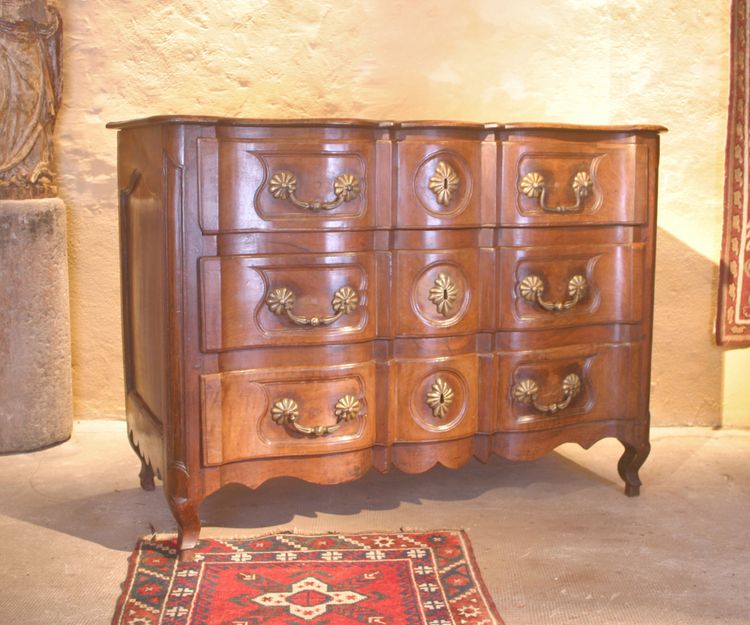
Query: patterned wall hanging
x: 733, y: 318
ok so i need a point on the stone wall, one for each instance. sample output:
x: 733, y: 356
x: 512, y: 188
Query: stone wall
x: 585, y: 61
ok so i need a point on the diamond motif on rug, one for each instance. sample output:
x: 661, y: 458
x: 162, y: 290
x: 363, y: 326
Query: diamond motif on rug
x: 405, y: 578
x: 309, y: 598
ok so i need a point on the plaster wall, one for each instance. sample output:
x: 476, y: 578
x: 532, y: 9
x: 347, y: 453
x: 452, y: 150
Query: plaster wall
x: 579, y: 61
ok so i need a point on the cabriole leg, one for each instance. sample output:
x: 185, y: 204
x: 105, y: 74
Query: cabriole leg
x: 146, y: 475
x: 189, y: 526
x: 630, y: 462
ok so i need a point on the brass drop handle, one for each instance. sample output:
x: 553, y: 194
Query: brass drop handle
x: 533, y: 186
x: 280, y: 301
x: 531, y: 289
x: 284, y: 184
x: 285, y: 411
x: 527, y: 391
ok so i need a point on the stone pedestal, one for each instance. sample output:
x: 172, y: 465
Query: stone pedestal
x: 35, y: 368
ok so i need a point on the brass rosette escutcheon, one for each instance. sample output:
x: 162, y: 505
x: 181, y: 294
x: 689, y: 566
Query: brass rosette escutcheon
x: 527, y: 392
x: 285, y: 412
x: 533, y: 185
x: 283, y: 186
x: 280, y: 302
x: 444, y: 294
x: 439, y: 398
x: 346, y: 408
x: 444, y: 183
x: 531, y: 289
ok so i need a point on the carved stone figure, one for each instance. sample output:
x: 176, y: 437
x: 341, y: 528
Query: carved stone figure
x: 30, y: 95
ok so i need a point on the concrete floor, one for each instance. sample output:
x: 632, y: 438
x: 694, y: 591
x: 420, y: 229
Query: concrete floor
x: 556, y: 540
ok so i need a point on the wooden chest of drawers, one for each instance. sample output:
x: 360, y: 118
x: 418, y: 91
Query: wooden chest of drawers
x: 316, y: 298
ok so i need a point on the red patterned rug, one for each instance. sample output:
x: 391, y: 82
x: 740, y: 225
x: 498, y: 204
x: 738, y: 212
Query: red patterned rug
x: 405, y: 578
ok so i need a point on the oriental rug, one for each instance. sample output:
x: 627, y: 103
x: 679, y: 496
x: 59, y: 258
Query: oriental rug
x: 401, y: 578
x: 733, y: 316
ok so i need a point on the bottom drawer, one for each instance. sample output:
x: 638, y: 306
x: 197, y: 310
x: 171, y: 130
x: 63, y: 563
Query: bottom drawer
x: 556, y: 387
x: 262, y: 413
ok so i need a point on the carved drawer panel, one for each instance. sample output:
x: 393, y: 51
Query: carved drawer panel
x: 436, y: 399
x: 558, y: 286
x: 435, y: 293
x: 549, y: 388
x: 257, y: 185
x: 438, y: 183
x: 301, y: 299
x: 287, y: 412
x: 558, y: 183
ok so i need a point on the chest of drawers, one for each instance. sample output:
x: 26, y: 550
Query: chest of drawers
x: 316, y: 298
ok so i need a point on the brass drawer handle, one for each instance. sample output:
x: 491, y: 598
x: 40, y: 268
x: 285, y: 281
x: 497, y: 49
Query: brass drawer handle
x: 281, y: 302
x: 527, y: 391
x: 439, y: 398
x: 532, y: 289
x: 285, y: 411
x: 284, y: 183
x: 533, y: 185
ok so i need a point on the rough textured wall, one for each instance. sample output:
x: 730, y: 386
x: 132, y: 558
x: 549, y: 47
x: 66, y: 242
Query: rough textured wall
x: 586, y: 61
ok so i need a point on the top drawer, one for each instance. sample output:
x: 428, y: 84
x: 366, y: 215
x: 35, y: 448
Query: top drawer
x: 248, y: 185
x: 551, y: 182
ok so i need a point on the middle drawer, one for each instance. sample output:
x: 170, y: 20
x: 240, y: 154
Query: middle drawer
x: 570, y: 285
x: 294, y: 299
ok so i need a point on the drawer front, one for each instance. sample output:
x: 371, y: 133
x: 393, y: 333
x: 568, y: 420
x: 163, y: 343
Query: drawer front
x: 255, y: 185
x: 295, y: 299
x: 287, y: 412
x: 550, y: 388
x: 560, y: 286
x: 435, y: 293
x: 438, y: 183
x: 436, y: 399
x: 559, y: 183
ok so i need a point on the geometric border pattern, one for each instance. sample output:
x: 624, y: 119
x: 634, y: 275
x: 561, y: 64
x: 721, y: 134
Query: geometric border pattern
x: 376, y: 578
